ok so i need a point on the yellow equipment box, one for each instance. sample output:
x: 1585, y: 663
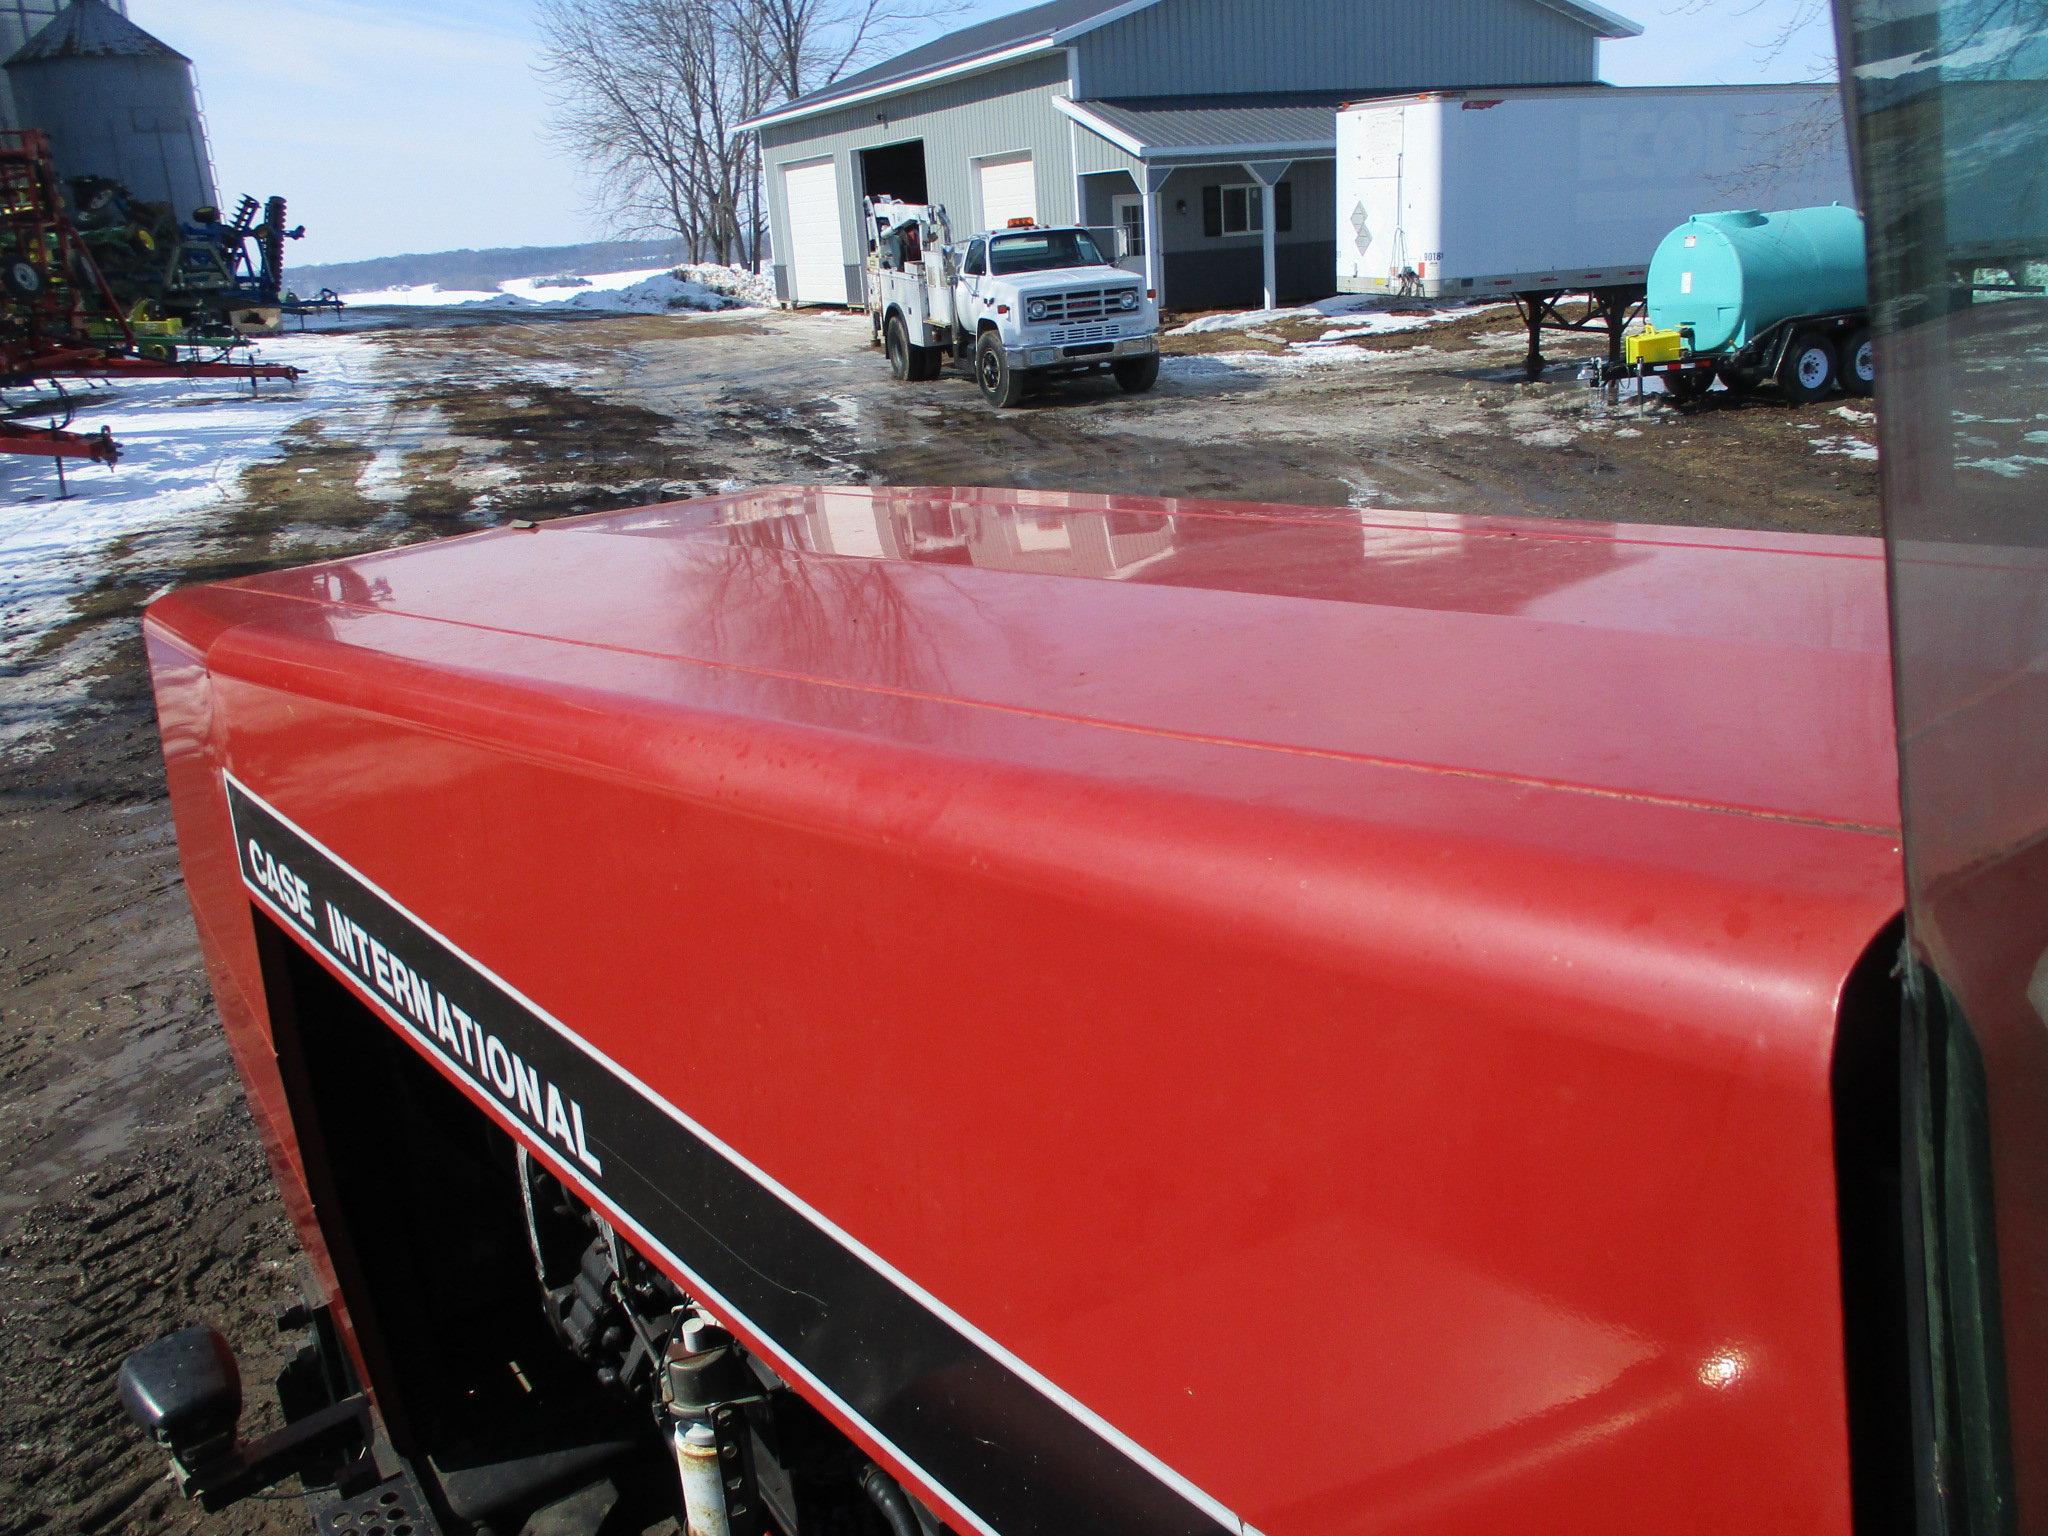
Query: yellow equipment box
x: 1653, y: 347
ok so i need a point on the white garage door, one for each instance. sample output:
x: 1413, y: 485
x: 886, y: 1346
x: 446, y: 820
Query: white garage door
x: 817, y: 269
x: 1009, y: 190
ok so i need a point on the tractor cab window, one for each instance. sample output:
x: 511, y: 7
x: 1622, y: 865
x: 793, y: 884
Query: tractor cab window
x: 1949, y: 119
x: 1043, y: 250
x: 975, y: 264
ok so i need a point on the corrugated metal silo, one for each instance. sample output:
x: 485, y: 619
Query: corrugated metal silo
x: 115, y: 102
x: 21, y: 20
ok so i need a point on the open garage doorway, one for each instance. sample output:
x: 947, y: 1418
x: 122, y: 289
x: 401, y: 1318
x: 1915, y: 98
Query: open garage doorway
x: 895, y: 170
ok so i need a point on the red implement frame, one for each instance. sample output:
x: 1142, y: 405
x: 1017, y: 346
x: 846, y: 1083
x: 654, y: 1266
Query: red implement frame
x: 55, y: 443
x: 70, y: 288
x: 45, y: 335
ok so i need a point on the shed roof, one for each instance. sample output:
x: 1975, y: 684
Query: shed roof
x: 1039, y: 29
x: 92, y: 29
x: 1172, y: 127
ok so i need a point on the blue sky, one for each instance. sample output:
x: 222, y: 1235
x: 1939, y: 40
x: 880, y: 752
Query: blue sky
x: 396, y: 125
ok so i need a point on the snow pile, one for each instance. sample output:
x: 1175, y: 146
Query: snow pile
x: 701, y: 287
x: 414, y: 295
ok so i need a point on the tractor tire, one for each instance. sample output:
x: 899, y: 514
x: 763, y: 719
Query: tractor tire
x: 896, y: 347
x: 1808, y: 371
x: 1859, y: 363
x: 1136, y: 375
x: 21, y: 278
x: 1001, y: 385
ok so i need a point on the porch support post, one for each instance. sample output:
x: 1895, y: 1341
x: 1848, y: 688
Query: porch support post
x: 1267, y: 174
x: 1155, y: 257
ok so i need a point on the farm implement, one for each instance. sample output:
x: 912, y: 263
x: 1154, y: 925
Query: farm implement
x: 60, y: 318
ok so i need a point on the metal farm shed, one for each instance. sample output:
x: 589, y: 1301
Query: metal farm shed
x: 1203, y: 131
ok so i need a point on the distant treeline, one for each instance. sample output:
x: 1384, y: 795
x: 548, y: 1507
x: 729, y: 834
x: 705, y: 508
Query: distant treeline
x: 484, y: 269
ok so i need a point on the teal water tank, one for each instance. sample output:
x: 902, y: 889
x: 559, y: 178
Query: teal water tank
x: 1728, y: 277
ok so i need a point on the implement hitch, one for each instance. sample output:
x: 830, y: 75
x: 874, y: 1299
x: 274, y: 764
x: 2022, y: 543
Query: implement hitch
x: 185, y: 1392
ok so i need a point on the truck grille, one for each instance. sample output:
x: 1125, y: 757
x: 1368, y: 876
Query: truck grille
x: 1067, y: 335
x: 1081, y: 304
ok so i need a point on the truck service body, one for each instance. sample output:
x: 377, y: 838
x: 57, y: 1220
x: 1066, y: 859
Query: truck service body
x: 1144, y: 1015
x: 1019, y: 305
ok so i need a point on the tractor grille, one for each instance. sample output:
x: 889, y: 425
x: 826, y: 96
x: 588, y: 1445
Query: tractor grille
x: 1081, y: 304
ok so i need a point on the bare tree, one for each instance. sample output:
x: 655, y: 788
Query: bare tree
x: 650, y: 94
x: 806, y: 44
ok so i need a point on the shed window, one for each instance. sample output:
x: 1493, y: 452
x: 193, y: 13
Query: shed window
x: 1240, y: 210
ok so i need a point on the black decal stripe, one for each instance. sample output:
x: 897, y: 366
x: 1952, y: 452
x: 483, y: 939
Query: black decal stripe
x: 1005, y: 1444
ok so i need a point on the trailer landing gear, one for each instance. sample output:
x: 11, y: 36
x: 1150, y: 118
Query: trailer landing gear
x: 1608, y: 308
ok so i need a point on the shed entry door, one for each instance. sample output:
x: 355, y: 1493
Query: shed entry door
x: 1009, y: 190
x: 817, y: 269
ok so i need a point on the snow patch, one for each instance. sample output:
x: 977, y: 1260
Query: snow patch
x: 1365, y: 315
x: 184, y: 446
x: 2016, y: 467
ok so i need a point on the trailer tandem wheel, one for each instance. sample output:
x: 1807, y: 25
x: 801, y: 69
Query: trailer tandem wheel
x: 1859, y: 363
x: 1808, y: 371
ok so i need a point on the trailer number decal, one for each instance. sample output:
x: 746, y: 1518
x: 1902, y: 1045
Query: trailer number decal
x: 1014, y: 1453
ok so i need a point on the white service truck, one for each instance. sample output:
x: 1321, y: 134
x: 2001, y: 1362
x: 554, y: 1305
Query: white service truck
x: 1537, y: 192
x: 1019, y: 305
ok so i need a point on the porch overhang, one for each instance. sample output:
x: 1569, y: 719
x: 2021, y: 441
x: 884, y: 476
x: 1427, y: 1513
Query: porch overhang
x: 1262, y: 134
x: 1208, y: 130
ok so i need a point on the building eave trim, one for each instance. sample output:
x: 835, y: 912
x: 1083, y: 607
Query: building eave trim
x: 979, y: 64
x: 1098, y: 127
x: 1608, y: 24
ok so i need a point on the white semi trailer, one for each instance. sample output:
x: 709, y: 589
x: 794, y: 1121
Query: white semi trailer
x: 1542, y: 192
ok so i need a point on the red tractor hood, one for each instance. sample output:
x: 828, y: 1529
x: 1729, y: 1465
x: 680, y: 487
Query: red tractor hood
x: 1339, y: 1005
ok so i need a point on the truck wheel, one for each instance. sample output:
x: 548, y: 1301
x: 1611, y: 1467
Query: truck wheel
x: 896, y: 347
x: 1808, y: 371
x: 1137, y: 374
x: 1859, y: 363
x: 1001, y: 385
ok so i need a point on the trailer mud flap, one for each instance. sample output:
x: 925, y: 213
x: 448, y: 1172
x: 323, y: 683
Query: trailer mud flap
x: 1007, y: 1447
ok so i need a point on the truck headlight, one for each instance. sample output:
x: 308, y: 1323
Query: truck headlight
x: 1129, y: 300
x: 1035, y: 310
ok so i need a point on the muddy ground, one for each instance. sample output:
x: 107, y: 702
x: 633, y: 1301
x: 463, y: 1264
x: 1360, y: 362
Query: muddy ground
x: 133, y: 1195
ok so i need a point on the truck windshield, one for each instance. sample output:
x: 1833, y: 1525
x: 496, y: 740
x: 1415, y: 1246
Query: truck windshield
x: 1043, y: 250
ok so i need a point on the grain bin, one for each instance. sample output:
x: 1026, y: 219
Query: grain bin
x: 1728, y: 277
x: 21, y: 20
x: 116, y: 102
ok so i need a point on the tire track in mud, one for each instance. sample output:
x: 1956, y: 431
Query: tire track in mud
x: 133, y: 1196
